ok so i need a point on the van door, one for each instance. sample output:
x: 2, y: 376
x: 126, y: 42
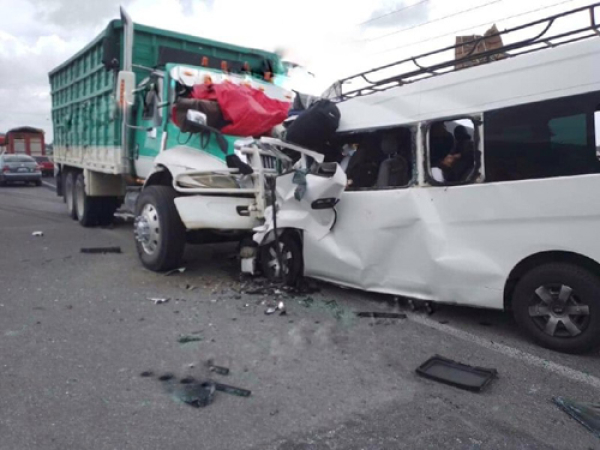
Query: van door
x: 415, y: 241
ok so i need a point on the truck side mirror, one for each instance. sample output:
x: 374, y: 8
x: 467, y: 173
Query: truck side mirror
x: 125, y: 87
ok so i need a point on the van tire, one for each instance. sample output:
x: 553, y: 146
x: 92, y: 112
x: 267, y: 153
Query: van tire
x: 85, y: 206
x: 159, y: 231
x: 291, y: 253
x: 69, y: 193
x: 544, y: 299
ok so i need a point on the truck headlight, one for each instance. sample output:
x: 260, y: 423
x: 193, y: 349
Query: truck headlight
x: 213, y: 181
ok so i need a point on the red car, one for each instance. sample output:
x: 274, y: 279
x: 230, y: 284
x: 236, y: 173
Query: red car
x: 46, y: 165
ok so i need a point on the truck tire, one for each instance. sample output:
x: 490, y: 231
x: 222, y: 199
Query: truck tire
x: 69, y: 190
x: 558, y: 305
x: 105, y: 209
x: 159, y: 233
x: 85, y: 206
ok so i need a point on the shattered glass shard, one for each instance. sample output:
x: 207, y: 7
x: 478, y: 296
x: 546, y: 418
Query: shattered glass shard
x: 587, y: 414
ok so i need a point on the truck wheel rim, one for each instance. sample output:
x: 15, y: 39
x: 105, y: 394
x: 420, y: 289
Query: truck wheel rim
x: 558, y: 311
x: 147, y: 229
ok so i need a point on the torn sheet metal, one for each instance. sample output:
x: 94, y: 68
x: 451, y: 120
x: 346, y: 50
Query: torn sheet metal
x: 298, y: 213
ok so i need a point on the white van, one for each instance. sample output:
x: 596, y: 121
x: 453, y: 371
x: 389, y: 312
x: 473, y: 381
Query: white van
x: 476, y: 187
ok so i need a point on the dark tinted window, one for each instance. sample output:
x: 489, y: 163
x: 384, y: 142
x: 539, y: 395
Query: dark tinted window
x: 18, y: 158
x: 541, y: 140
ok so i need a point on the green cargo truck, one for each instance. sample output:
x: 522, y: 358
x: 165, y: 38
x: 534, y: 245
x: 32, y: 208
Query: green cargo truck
x: 115, y: 140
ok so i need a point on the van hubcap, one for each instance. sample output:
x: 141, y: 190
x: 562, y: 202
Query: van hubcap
x: 276, y: 269
x: 147, y: 229
x: 558, y: 311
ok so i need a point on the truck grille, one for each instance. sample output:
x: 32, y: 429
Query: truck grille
x: 268, y: 162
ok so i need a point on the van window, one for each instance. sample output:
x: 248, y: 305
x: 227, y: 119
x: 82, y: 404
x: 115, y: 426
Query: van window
x: 378, y: 159
x: 453, y: 155
x: 541, y: 140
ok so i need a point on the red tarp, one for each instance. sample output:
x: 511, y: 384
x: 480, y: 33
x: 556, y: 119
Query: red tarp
x: 249, y: 110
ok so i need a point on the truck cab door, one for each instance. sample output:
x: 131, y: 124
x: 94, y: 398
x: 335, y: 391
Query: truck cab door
x: 148, y: 126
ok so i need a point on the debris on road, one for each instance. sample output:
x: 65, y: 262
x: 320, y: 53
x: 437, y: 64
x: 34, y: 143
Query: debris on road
x: 281, y: 308
x: 174, y: 271
x: 194, y: 393
x: 147, y: 374
x: 381, y: 315
x: 186, y: 338
x: 37, y: 233
x: 456, y: 374
x: 189, y: 287
x: 220, y: 370
x: 102, y: 250
x: 587, y: 414
x: 232, y: 390
x: 166, y: 377
x: 273, y: 309
x: 159, y: 301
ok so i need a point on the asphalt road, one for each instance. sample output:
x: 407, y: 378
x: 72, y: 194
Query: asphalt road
x: 77, y: 330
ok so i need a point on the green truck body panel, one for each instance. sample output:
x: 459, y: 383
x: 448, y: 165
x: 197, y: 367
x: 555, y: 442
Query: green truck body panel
x: 83, y: 88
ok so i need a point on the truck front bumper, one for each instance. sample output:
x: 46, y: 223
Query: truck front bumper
x: 199, y: 212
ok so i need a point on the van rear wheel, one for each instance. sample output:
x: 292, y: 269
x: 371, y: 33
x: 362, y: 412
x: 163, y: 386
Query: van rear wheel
x: 159, y: 233
x: 558, y: 305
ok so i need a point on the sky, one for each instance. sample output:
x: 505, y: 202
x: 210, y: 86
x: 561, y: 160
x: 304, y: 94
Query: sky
x: 331, y: 39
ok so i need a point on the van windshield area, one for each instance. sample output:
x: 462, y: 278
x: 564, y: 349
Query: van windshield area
x: 380, y: 159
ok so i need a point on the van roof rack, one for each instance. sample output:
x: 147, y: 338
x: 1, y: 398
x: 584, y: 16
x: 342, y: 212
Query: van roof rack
x: 540, y: 41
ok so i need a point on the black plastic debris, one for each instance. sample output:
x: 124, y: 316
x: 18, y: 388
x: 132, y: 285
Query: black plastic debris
x: 188, y: 338
x: 381, y: 315
x: 166, y: 377
x: 232, y: 390
x: 587, y: 414
x: 187, y: 380
x: 147, y: 374
x: 101, y: 250
x: 456, y: 374
x: 198, y: 395
x: 220, y: 370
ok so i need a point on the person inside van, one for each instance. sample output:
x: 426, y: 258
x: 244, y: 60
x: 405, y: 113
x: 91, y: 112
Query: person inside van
x: 363, y: 167
x: 459, y: 168
x: 441, y: 142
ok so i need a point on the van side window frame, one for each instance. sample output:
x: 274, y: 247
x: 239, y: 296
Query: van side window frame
x: 413, y: 165
x: 477, y: 175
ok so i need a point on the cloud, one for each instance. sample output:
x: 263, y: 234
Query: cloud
x: 324, y: 35
x: 398, y: 14
x: 69, y: 14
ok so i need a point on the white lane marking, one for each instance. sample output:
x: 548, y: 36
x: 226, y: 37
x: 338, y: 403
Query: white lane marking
x: 511, y: 352
x: 45, y: 183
